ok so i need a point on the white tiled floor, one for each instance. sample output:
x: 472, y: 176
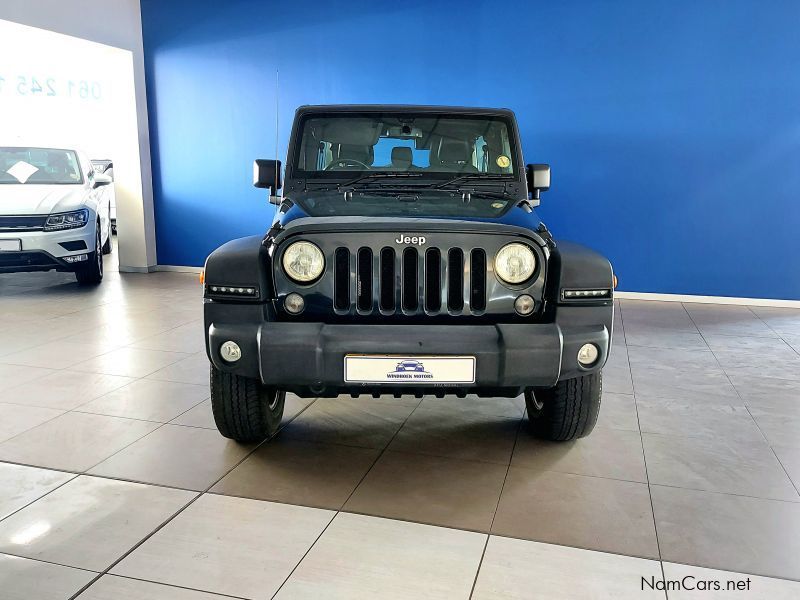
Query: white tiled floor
x: 89, y: 522
x: 362, y: 557
x: 108, y: 451
x: 519, y: 570
x: 232, y: 546
x: 24, y: 579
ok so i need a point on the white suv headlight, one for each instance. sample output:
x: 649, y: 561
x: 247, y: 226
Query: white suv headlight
x: 303, y: 262
x: 515, y: 263
x: 68, y: 220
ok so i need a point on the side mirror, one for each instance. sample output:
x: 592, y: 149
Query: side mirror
x: 267, y: 174
x: 538, y: 177
x: 100, y: 179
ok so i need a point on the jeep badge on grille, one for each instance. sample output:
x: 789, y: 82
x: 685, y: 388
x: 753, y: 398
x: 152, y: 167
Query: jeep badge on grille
x: 407, y: 239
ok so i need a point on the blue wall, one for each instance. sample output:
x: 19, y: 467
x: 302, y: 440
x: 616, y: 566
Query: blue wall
x: 673, y: 128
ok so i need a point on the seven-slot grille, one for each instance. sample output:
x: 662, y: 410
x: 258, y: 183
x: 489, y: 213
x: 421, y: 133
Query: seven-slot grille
x: 410, y: 280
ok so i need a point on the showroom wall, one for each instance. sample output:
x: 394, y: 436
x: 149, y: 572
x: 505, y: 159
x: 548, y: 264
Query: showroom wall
x: 673, y: 129
x: 115, y: 23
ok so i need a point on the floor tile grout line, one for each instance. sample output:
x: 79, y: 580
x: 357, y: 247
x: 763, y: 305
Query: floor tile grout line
x: 170, y: 422
x: 730, y: 494
x: 306, y: 553
x: 497, y: 505
x: 48, y: 562
x: 622, y: 326
x: 780, y: 462
x: 644, y: 456
x: 167, y: 585
x: 480, y: 564
x: 747, y: 408
x: 776, y: 332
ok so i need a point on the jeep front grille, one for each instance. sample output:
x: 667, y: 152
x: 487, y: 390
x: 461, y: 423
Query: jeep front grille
x: 416, y: 281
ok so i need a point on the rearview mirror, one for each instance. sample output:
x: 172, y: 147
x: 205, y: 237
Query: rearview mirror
x: 538, y: 177
x: 101, y: 179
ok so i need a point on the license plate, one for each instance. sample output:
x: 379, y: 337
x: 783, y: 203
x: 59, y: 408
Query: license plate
x: 10, y: 245
x: 418, y: 370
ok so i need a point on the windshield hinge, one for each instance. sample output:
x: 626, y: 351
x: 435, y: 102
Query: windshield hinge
x: 273, y: 231
x: 545, y: 233
x: 525, y: 205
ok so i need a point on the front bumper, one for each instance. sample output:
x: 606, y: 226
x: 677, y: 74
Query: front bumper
x: 46, y: 250
x: 308, y: 358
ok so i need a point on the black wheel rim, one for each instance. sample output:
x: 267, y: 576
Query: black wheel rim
x: 534, y: 403
x: 273, y: 401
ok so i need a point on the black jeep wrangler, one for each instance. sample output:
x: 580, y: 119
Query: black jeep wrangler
x: 406, y: 258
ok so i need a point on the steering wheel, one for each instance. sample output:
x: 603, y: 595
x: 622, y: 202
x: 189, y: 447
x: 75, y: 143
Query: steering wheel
x: 341, y: 163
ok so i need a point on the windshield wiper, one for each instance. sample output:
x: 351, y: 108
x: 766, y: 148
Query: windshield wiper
x: 475, y: 176
x: 421, y: 190
x: 369, y: 176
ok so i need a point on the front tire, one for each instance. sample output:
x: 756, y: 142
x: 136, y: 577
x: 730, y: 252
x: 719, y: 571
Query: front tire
x: 244, y: 409
x: 91, y: 273
x: 567, y: 411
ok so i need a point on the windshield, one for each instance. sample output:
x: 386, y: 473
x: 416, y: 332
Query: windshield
x: 39, y: 166
x: 419, y: 144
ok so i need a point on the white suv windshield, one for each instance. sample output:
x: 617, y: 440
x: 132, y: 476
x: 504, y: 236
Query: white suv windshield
x: 40, y: 166
x: 419, y: 143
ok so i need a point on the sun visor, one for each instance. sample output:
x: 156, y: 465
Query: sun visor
x: 355, y: 132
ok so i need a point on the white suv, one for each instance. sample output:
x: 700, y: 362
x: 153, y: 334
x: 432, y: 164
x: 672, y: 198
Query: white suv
x: 54, y: 212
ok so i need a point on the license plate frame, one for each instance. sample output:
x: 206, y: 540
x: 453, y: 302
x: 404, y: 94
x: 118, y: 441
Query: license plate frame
x: 10, y: 245
x: 395, y: 369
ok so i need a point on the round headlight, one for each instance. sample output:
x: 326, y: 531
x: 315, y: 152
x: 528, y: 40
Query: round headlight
x: 515, y: 263
x: 303, y: 262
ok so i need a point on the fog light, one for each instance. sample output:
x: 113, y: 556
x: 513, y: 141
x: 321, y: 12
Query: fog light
x: 76, y: 258
x: 588, y: 354
x: 230, y: 352
x: 524, y: 304
x: 294, y: 303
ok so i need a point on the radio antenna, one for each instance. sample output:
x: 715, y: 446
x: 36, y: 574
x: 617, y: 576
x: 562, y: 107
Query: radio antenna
x: 277, y: 137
